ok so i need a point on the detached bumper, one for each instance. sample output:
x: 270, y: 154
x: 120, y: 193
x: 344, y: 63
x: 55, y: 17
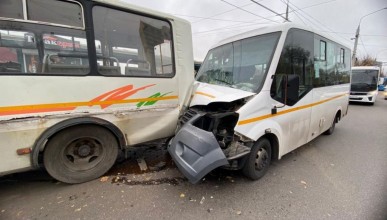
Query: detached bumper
x: 196, y: 152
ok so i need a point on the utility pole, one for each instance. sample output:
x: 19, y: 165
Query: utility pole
x: 287, y: 11
x: 270, y: 10
x: 358, y: 33
x: 355, y: 45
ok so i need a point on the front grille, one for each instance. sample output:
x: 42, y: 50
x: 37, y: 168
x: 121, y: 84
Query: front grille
x: 356, y: 99
x: 358, y: 93
x: 187, y: 116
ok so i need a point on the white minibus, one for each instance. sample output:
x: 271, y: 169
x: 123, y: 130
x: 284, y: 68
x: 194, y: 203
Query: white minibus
x: 364, y: 84
x: 258, y: 96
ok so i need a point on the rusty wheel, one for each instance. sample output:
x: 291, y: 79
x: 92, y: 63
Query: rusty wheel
x: 80, y: 154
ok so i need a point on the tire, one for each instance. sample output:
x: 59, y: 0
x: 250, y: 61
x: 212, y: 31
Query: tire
x: 332, y: 128
x: 80, y: 154
x: 258, y: 160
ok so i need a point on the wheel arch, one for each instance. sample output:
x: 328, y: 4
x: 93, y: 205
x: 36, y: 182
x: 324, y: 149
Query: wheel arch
x: 338, y: 115
x: 41, y: 141
x: 274, y: 142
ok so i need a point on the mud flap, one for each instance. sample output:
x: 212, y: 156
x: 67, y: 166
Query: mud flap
x: 196, y: 152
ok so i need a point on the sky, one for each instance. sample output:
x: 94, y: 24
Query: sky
x: 214, y: 20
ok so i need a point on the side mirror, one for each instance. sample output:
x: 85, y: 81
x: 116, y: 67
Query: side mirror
x: 285, y: 90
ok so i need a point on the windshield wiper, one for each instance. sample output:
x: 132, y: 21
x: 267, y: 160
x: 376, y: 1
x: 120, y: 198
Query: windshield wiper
x: 219, y: 80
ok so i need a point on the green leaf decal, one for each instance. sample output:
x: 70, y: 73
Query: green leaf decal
x: 148, y: 103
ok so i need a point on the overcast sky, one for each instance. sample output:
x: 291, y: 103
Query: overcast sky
x: 213, y: 20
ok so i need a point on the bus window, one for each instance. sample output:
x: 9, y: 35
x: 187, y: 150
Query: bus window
x: 65, y: 55
x: 57, y: 12
x: 18, y: 52
x: 11, y: 9
x: 145, y: 51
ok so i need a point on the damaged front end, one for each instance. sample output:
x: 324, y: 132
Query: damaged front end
x: 206, y: 140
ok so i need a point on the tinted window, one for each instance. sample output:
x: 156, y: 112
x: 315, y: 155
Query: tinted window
x: 296, y: 59
x: 11, y: 9
x: 57, y: 12
x: 132, y: 45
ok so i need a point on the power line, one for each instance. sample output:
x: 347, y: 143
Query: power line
x: 317, y: 21
x: 269, y: 9
x: 204, y: 18
x: 363, y: 45
x: 248, y: 11
x: 296, y: 13
x: 227, y: 27
x: 216, y: 19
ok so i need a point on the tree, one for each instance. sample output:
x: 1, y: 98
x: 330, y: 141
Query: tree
x: 366, y: 61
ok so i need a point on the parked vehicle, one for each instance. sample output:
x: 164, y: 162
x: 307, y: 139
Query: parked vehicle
x: 260, y: 95
x: 82, y: 80
x: 364, y: 84
x: 382, y: 83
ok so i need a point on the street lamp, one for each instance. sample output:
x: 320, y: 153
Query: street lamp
x: 358, y: 31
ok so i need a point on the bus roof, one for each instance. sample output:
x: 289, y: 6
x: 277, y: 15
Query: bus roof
x: 132, y: 7
x: 365, y: 68
x: 275, y: 28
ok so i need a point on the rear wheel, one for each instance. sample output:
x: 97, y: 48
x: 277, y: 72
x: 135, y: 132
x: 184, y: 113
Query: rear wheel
x: 80, y: 154
x: 258, y: 160
x: 332, y: 128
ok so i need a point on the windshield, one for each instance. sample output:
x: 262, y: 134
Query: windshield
x: 369, y: 77
x: 241, y: 64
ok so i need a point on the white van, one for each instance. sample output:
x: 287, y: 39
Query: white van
x: 260, y: 95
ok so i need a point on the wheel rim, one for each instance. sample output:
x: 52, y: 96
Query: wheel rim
x: 261, y: 159
x: 83, y: 153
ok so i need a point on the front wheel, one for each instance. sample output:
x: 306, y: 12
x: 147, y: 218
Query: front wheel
x: 80, y: 154
x: 258, y: 160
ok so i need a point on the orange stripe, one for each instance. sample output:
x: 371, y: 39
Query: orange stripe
x: 205, y: 94
x: 26, y: 109
x: 251, y: 120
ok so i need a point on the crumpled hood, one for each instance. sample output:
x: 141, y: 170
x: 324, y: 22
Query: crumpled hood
x: 204, y: 94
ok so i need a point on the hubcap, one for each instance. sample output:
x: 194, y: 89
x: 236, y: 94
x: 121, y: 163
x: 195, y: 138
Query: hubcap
x: 84, y: 150
x: 83, y: 154
x: 261, y: 159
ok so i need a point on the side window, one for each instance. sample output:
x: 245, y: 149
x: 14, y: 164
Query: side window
x: 320, y: 64
x: 57, y: 12
x: 51, y: 48
x: 296, y: 59
x: 132, y: 45
x: 18, y: 52
x: 323, y: 50
x: 331, y: 64
x: 11, y: 9
x: 342, y: 54
x: 65, y: 55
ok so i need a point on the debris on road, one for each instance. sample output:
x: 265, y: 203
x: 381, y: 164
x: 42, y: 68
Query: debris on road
x: 182, y: 195
x: 159, y: 166
x: 77, y: 210
x: 303, y: 183
x: 104, y: 179
x: 239, y: 212
x: 142, y: 164
x: 209, y: 210
x: 202, y: 200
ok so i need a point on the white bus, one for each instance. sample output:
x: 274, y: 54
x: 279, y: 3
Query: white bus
x: 260, y: 95
x: 83, y: 79
x: 364, y: 84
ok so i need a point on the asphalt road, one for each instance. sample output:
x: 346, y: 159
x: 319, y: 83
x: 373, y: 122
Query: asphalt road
x: 342, y: 176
